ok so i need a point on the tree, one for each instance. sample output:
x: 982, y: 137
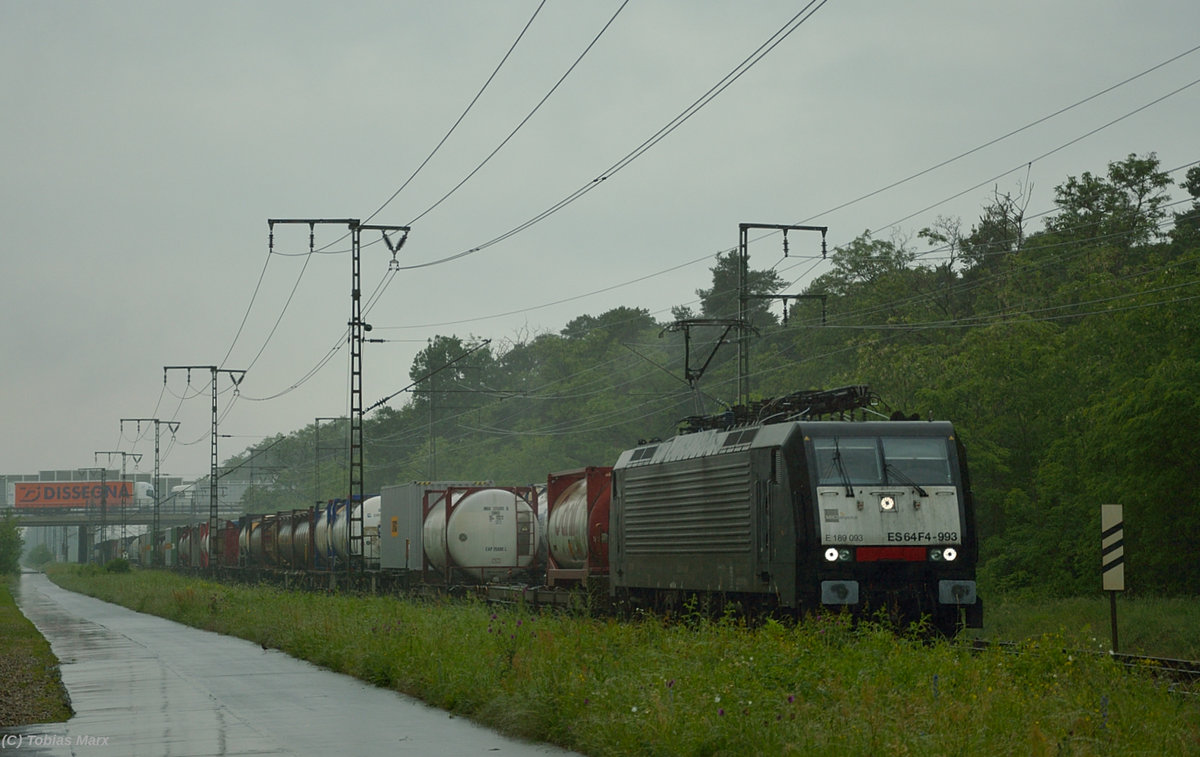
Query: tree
x: 450, y: 365
x: 11, y: 544
x: 621, y: 324
x: 1122, y: 211
x: 721, y: 300
x: 863, y: 261
x: 39, y: 556
x: 1187, y: 223
x: 999, y: 233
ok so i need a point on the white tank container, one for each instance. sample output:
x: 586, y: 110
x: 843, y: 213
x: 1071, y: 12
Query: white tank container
x: 370, y: 530
x: 490, y: 533
x: 568, y: 526
x: 327, y: 515
x: 302, y: 544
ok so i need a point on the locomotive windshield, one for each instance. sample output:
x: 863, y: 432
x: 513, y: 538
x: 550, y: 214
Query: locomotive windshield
x: 845, y: 461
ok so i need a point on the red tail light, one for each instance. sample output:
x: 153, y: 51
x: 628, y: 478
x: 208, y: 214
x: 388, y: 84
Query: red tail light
x: 890, y: 554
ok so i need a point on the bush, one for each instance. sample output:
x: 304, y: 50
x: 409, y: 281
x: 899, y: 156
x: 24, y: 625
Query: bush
x: 119, y: 565
x: 11, y: 544
x: 39, y: 556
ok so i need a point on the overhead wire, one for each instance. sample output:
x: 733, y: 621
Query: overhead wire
x: 890, y: 186
x: 916, y: 298
x: 1002, y: 137
x: 751, y: 60
x: 463, y: 115
x: 699, y: 103
x: 794, y: 23
x: 1045, y: 154
x: 310, y: 252
x: 527, y: 117
x: 325, y: 250
x: 868, y: 195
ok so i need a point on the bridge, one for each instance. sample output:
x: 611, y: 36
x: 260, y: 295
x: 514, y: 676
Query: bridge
x: 114, y: 517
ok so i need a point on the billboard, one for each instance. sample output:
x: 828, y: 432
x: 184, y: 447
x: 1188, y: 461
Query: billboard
x: 71, y: 494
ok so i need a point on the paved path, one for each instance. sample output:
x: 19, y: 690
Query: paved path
x: 141, y: 685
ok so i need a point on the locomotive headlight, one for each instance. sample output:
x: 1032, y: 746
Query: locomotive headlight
x: 887, y: 504
x: 949, y: 553
x: 831, y: 554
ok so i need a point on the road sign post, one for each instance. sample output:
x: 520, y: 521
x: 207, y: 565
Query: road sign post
x: 1112, y: 559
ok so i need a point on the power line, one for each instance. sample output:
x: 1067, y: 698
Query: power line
x: 775, y: 39
x: 525, y: 120
x: 470, y: 105
x: 1045, y: 154
x: 873, y: 193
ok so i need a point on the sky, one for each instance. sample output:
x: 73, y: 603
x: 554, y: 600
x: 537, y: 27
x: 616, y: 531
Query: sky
x: 145, y: 145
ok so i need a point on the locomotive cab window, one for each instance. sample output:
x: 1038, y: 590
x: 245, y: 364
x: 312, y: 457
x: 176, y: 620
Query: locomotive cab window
x: 848, y: 460
x: 922, y: 460
x: 871, y: 460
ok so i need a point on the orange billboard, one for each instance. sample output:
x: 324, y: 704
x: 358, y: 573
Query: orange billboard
x: 72, y: 494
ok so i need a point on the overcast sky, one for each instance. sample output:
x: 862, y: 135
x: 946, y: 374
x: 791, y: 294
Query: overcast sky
x: 144, y: 145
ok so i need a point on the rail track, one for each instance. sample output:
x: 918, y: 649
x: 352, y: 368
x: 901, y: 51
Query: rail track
x: 1182, y: 675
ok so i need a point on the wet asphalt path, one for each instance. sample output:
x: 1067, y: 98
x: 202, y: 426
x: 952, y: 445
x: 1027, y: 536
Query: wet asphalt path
x: 141, y: 685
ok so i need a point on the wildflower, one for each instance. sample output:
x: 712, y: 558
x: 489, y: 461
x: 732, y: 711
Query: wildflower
x: 717, y: 698
x: 671, y: 683
x: 721, y: 712
x: 791, y: 698
x: 633, y: 709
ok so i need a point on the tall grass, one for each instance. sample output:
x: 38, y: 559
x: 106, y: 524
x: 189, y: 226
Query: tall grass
x: 1157, y: 627
x: 605, y: 687
x: 31, y: 689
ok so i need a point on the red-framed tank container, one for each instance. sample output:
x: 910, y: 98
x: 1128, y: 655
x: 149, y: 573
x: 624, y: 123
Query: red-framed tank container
x: 577, y: 508
x: 227, y: 534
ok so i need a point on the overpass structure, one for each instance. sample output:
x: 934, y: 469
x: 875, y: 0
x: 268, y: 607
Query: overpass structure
x: 73, y: 511
x: 114, y: 518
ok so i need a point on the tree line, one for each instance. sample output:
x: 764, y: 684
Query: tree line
x: 1066, y: 356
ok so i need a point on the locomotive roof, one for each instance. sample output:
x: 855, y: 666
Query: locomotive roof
x: 722, y: 441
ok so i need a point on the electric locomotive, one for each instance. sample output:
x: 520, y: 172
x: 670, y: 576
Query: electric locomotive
x: 770, y: 507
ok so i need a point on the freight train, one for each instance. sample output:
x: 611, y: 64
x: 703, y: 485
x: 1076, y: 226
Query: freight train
x: 786, y: 505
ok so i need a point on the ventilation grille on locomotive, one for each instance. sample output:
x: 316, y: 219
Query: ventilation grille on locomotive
x: 689, y: 510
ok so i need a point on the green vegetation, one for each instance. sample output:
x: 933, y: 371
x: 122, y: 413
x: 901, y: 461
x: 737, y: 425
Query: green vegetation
x: 117, y: 565
x: 695, y: 687
x: 39, y: 556
x: 11, y: 544
x: 1065, y: 356
x: 31, y: 690
x: 1147, y: 626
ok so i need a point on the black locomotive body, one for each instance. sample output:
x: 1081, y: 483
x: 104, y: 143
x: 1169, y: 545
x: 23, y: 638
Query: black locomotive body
x: 801, y: 514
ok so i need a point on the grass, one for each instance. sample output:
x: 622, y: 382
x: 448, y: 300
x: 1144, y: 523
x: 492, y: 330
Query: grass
x: 604, y: 687
x: 31, y: 689
x: 1146, y: 626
